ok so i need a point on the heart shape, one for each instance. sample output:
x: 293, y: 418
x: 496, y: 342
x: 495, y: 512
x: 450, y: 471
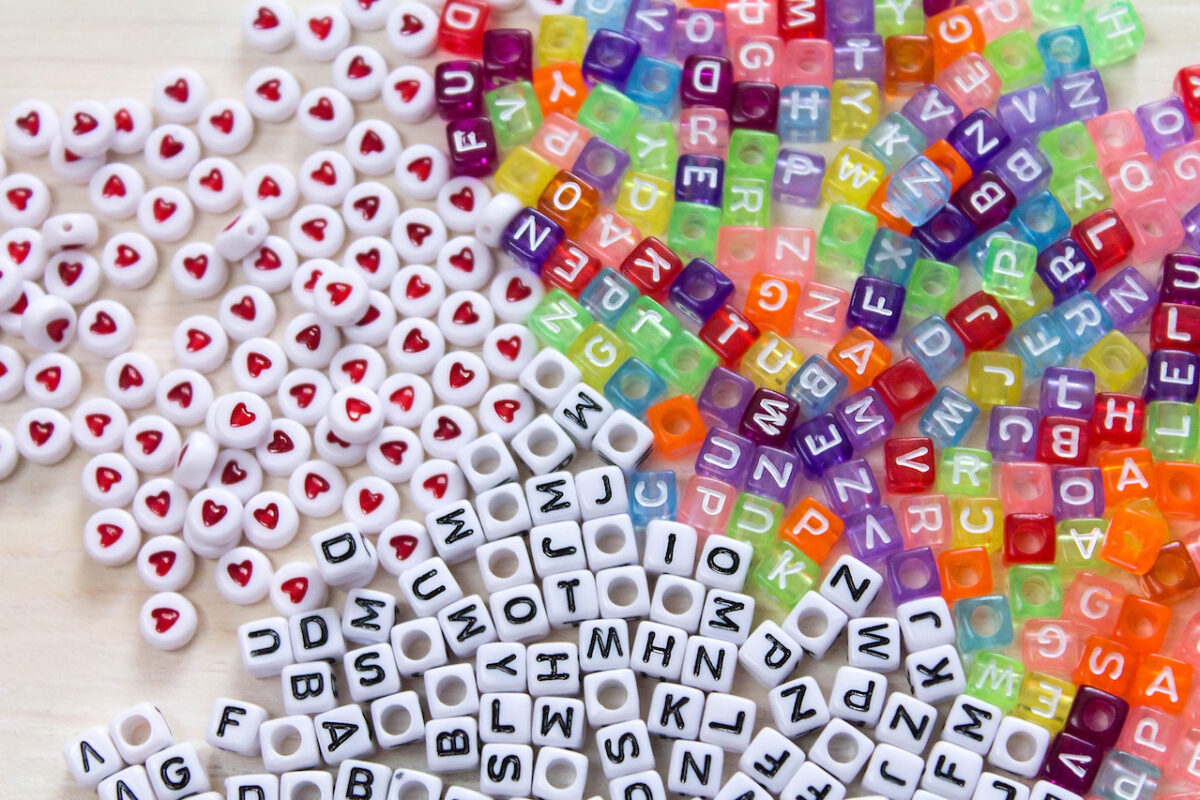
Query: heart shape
x: 69, y: 272
x: 323, y: 110
x: 463, y: 260
x: 517, y: 290
x: 223, y: 121
x: 358, y: 68
x: 149, y: 440
x: 303, y: 394
x: 356, y: 409
x: 510, y: 348
x: 338, y: 292
x: 269, y: 90
x: 177, y: 91
x: 446, y: 429
x: 465, y: 314
x: 314, y: 485
x: 244, y: 308
x: 368, y: 501
x: 324, y: 174
x: 265, y: 19
x: 267, y: 187
x: 106, y: 478
x: 97, y: 423
x: 40, y: 432
x: 169, y: 147
x: 123, y: 120
x: 181, y: 394
x: 242, y: 416
x: 164, y: 618
x: 410, y: 25
x: 417, y: 233
x: 109, y: 533
x: 163, y: 209
x: 367, y: 206
x: 127, y: 256
x: 49, y: 378
x: 314, y: 229
x: 460, y: 376
x: 393, y: 451
x: 369, y: 259
x: 420, y: 167
x: 320, y: 26
x: 197, y: 340
x: 240, y: 572
x: 19, y: 251
x: 436, y: 485
x: 403, y: 545
x: 414, y: 342
x: 370, y: 143
x: 416, y: 288
x: 113, y: 187
x: 267, y: 516
x: 159, y: 504
x: 129, y: 377
x: 463, y: 199
x: 31, y: 123
x: 233, y: 473
x: 212, y: 512
x: 267, y: 260
x: 295, y: 589
x: 310, y: 337
x: 403, y: 397
x: 163, y: 560
x: 354, y: 369
x: 506, y: 409
x: 256, y: 363
x: 280, y: 443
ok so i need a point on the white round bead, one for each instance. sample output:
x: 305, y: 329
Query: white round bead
x: 159, y: 506
x: 316, y: 489
x: 131, y: 379
x: 242, y: 235
x: 325, y: 177
x: 239, y: 419
x: 26, y: 200
x: 367, y: 15
x: 415, y: 344
x: 497, y: 213
x: 129, y: 260
x: 409, y: 96
x: 168, y: 621
x: 465, y: 263
x: 272, y: 94
x: 359, y: 71
x: 421, y: 171
x: 225, y: 126
x: 53, y: 380
x: 183, y: 396
x: 151, y: 443
x: 304, y: 396
x: 200, y: 343
x: 334, y: 449
x: 87, y: 128
x: 325, y: 115
x: 10, y: 320
x: 270, y: 521
x: 304, y: 280
x: 357, y: 365
x: 412, y: 29
x: 286, y: 448
x: 215, y: 184
x: 30, y: 127
x: 435, y: 484
x: 369, y: 209
x: 418, y: 234
x: 11, y: 284
x: 71, y: 167
x: 316, y: 231
x: 198, y: 271
x: 515, y: 293
x: 403, y: 544
x: 272, y: 190
x: 238, y: 472
x: 394, y: 454
x: 371, y: 504
x: 460, y: 202
x: 22, y: 248
x: 321, y: 32
x: 507, y: 349
x: 12, y: 373
x: 376, y: 322
x: 466, y: 318
x: 133, y: 123
x: 372, y: 147
x: 297, y: 587
x: 70, y: 231
x: 109, y: 480
x: 417, y: 291
x: 340, y: 296
x: 72, y: 276
x: 243, y: 576
x: 355, y: 414
x: 171, y: 151
x: 195, y: 461
x: 258, y: 366
x: 179, y: 94
x: 310, y: 341
x: 506, y: 409
x: 268, y: 25
x: 43, y: 436
x: 48, y: 323
x: 115, y: 190
x: 98, y: 425
x: 212, y: 525
x: 165, y: 564
x: 271, y: 266
x: 246, y: 312
x: 165, y: 214
x: 460, y: 378
x: 111, y: 537
x: 374, y: 258
x: 407, y: 398
x: 446, y: 429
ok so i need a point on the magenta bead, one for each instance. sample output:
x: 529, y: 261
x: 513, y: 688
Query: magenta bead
x: 507, y: 56
x: 1072, y: 763
x: 458, y: 89
x: 472, y: 146
x: 1096, y: 716
x: 707, y: 81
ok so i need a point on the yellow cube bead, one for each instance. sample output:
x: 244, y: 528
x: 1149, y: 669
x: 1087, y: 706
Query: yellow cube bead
x: 977, y: 522
x: 853, y: 108
x: 524, y: 174
x: 647, y: 202
x: 561, y: 37
x: 852, y: 177
x: 993, y: 379
x: 771, y: 362
x: 598, y: 352
x: 1115, y: 360
x: 1019, y: 310
x: 1045, y: 700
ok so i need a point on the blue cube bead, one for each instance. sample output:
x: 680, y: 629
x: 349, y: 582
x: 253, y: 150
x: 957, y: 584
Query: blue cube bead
x: 816, y: 386
x: 948, y: 418
x: 946, y: 234
x: 1027, y: 112
x: 1013, y: 433
x: 1173, y: 375
x: 609, y: 58
x: 894, y: 141
x: 979, y: 138
x: 1065, y: 269
x: 820, y: 443
x: 804, y: 114
x: 1041, y: 219
x: 608, y: 296
x: 1040, y: 342
x: 1083, y: 320
x: 654, y: 86
x: 918, y: 190
x: 933, y: 112
x: 699, y: 179
x: 651, y: 24
x: 698, y: 291
x: 653, y: 495
x: 1024, y: 169
x: 798, y: 178
x: 876, y: 304
x: 971, y: 639
x: 1063, y: 51
x: 892, y: 256
x: 599, y: 14
x: 635, y: 387
x: 530, y: 237
x: 934, y: 345
x: 1128, y: 297
x: 1079, y: 96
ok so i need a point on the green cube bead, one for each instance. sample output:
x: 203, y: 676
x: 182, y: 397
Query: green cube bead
x: 898, y: 17
x: 598, y: 352
x: 558, y: 320
x: 894, y: 141
x: 1113, y: 32
x: 610, y: 115
x: 1077, y: 546
x: 654, y: 150
x: 755, y: 520
x: 1020, y: 310
x: 996, y: 679
x: 746, y: 201
x: 965, y: 471
x: 685, y: 362
x: 692, y: 231
x: 785, y: 574
x: 931, y: 290
x: 1068, y: 148
x: 845, y: 238
x: 561, y: 37
x: 515, y: 112
x: 1056, y: 13
x: 1035, y: 592
x: 1009, y: 267
x: 751, y: 154
x: 1082, y: 192
x: 647, y: 327
x: 1016, y: 59
x: 1172, y: 430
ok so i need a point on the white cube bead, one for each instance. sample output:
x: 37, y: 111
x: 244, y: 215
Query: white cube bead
x: 857, y: 695
x: 623, y: 592
x: 233, y: 725
x: 519, y: 613
x: 552, y: 498
x: 728, y: 616
x: 724, y: 563
x: 487, y: 462
x: 841, y: 749
x: 646, y: 785
x: 397, y: 719
x: 580, y: 412
x: 505, y: 718
x: 344, y: 556
x: 262, y: 785
x: 451, y: 744
x: 935, y: 674
x: 569, y: 770
x: 308, y: 688
x: 316, y: 635
x: 623, y: 441
x: 769, y: 654
x: 275, y: 733
x: 139, y: 731
x: 549, y: 376
x: 611, y: 696
x: 450, y: 691
x: 851, y: 585
x: 429, y: 587
x: 418, y: 645
x: 467, y: 625
x: 357, y: 778
x: 177, y: 772
x: 906, y: 722
x: 708, y: 664
x: 602, y: 492
x: 129, y: 782
x: 500, y: 667
x: 91, y: 757
x: 1020, y: 747
x: 559, y: 722
x: 728, y: 721
x: 972, y: 723
x: 503, y: 563
x: 892, y: 772
x: 455, y: 531
x: 811, y: 781
x: 741, y: 785
x: 677, y: 601
x: 670, y: 548
x: 412, y: 783
x: 503, y: 511
x: 506, y: 770
x: 543, y: 446
x: 371, y: 672
x: 658, y: 650
x: 952, y: 771
x: 603, y: 644
x: 771, y: 759
x: 675, y: 711
x: 798, y: 707
x: 992, y: 786
x: 695, y: 768
x: 873, y: 643
x: 624, y: 748
x: 571, y: 598
x: 925, y: 622
x: 552, y: 668
x: 306, y: 783
x: 368, y: 616
x: 557, y: 547
x: 815, y: 623
x: 266, y: 646
x: 609, y: 541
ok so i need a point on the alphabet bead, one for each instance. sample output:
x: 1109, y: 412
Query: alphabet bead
x: 603, y: 644
x: 568, y: 767
x: 397, y: 719
x: 177, y: 772
x: 798, y: 707
x: 233, y: 726
x: 91, y: 757
x: 873, y: 643
x: 610, y: 697
x: 769, y: 654
x: 274, y: 733
x: 1004, y: 753
x: 265, y: 646
x: 451, y: 692
x: 316, y: 635
x: 451, y: 744
x: 167, y: 621
x: 308, y: 688
x: 368, y: 616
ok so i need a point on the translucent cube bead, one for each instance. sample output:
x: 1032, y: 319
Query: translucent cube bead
x: 1113, y: 32
x: 845, y: 238
x: 894, y: 141
x: 1009, y: 268
x: 918, y: 190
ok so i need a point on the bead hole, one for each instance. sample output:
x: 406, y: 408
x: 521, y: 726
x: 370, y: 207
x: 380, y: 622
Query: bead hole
x: 503, y: 563
x: 415, y: 791
x: 726, y: 394
x: 914, y: 574
x: 549, y: 375
x: 635, y: 387
x: 842, y: 748
x: 677, y: 600
x: 1020, y: 747
x: 701, y: 286
x: 985, y: 621
x: 622, y: 592
x: 1098, y: 715
x: 451, y: 691
x: 541, y: 443
x: 965, y: 575
x: 415, y: 645
x: 561, y: 772
x: 623, y: 438
x: 1035, y: 591
x: 502, y: 507
x: 812, y: 623
x: 396, y: 720
x: 677, y: 424
x: 485, y: 461
x: 135, y: 730
x: 285, y: 740
x: 612, y: 695
x: 601, y: 162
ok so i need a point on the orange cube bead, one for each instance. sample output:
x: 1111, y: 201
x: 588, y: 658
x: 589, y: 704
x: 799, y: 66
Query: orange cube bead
x: 570, y: 201
x: 1173, y: 576
x: 1136, y: 532
x: 1178, y: 489
x: 907, y: 63
x: 677, y: 426
x: 965, y: 572
x: 1162, y: 683
x: 812, y: 529
x: 1105, y: 664
x: 560, y: 87
x: 950, y: 162
x: 860, y: 356
x: 879, y: 206
x: 771, y: 303
x: 954, y: 33
x: 1128, y: 475
x: 1142, y: 624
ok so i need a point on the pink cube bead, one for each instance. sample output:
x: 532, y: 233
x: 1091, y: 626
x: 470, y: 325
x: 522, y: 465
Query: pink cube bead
x: 610, y: 238
x: 1188, y: 648
x: 1155, y: 228
x: 741, y: 253
x: 707, y: 504
x: 1181, y: 165
x: 821, y: 312
x: 1025, y: 488
x: 1133, y: 181
x: 757, y: 58
x: 808, y: 62
x: 1116, y: 135
x: 971, y: 82
x: 1093, y: 604
x: 998, y: 17
x: 791, y: 253
x: 1148, y: 734
x: 560, y: 140
x: 1050, y: 645
x: 925, y: 521
x: 703, y: 131
x: 750, y: 18
x: 1183, y: 764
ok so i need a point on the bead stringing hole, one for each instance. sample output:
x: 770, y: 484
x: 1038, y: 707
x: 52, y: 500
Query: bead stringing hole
x: 396, y: 720
x: 842, y: 748
x: 612, y: 695
x: 622, y: 591
x: 1020, y: 746
x: 812, y: 624
x: 985, y: 621
x: 561, y: 772
x: 503, y: 564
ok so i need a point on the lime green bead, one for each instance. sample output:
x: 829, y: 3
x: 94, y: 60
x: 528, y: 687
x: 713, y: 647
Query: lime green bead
x: 692, y: 232
x: 751, y: 154
x: 845, y: 238
x: 785, y: 574
x: 1082, y: 192
x: 515, y: 113
x: 647, y: 202
x: 524, y: 174
x: 755, y: 520
x: 654, y: 150
x: 1038, y: 301
x: 1016, y: 59
x: 746, y: 201
x: 1116, y: 360
x: 558, y: 320
x: 1077, y: 546
x: 898, y: 17
x: 1113, y: 32
x: 561, y: 37
x: 1035, y: 591
x: 610, y: 115
x: 994, y: 379
x: 1172, y: 430
x: 1068, y: 148
x: 931, y: 289
x: 853, y: 108
x: 996, y: 679
x: 1056, y: 13
x: 965, y: 471
x: 598, y: 352
x: 647, y: 327
x: 685, y: 362
x: 1009, y: 267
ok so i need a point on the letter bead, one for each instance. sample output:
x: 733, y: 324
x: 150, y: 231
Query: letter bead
x: 418, y: 646
x: 1035, y: 741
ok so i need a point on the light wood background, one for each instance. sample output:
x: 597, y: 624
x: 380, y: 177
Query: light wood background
x: 71, y: 656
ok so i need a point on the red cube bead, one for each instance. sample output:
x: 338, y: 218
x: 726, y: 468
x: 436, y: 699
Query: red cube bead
x: 1064, y: 441
x: 1104, y: 239
x: 729, y: 334
x: 1174, y: 326
x: 1118, y: 419
x: 1187, y: 86
x: 462, y: 25
x: 1029, y: 539
x: 651, y: 266
x: 909, y: 465
x: 905, y: 388
x: 980, y: 322
x: 802, y: 19
x: 570, y: 268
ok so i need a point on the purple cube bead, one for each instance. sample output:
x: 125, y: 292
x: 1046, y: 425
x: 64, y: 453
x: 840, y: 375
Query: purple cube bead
x: 933, y: 112
x: 985, y: 200
x: 1067, y: 392
x: 849, y: 486
x: 858, y: 55
x: 725, y: 456
x: 700, y: 32
x: 609, y: 58
x: 1096, y: 716
x: 768, y: 418
x: 530, y: 238
x: 865, y: 419
x: 602, y: 165
x: 471, y: 145
x: 1013, y: 433
x: 698, y: 292
x: 458, y: 89
x: 699, y: 179
x: 1191, y: 228
x: 1065, y: 269
x: 1027, y: 112
x: 1179, y: 281
x: 913, y: 574
x: 754, y: 105
x: 724, y: 398
x: 707, y: 81
x: 875, y: 304
x: 821, y: 444
x: 978, y: 138
x: 1128, y: 297
x: 774, y: 473
x: 946, y: 234
x: 1165, y: 124
x: 1173, y: 375
x: 507, y: 56
x: 1024, y: 169
x: 1078, y: 493
x: 934, y: 7
x: 849, y: 16
x: 1072, y: 763
x: 651, y: 23
x: 798, y: 178
x: 873, y: 534
x: 1080, y: 96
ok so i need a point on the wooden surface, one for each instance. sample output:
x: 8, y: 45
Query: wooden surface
x: 72, y: 657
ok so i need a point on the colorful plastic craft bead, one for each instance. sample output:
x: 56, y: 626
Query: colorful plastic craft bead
x: 1113, y: 32
x: 678, y: 427
x: 932, y: 289
x: 948, y: 418
x: 1013, y: 433
x: 685, y: 362
x: 1136, y: 532
x: 993, y: 379
x: 816, y: 386
x: 698, y: 291
x: 804, y: 114
x: 610, y: 58
x: 635, y: 387
x: 652, y: 495
x: 771, y: 362
x: 654, y: 86
x: 508, y: 55
x: 918, y: 190
x: 965, y: 572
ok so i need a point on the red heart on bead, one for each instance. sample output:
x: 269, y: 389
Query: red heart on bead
x: 267, y: 516
x: 313, y: 277
x: 123, y: 120
x: 244, y: 308
x: 127, y: 256
x: 267, y: 187
x: 417, y: 233
x: 267, y: 260
x: 103, y: 324
x: 265, y: 19
x: 303, y: 394
x: 113, y: 187
x: 96, y: 423
x: 197, y: 340
x: 212, y: 512
x: 465, y: 314
x: 269, y: 90
x: 149, y: 440
x: 463, y: 199
x: 19, y: 251
x: 163, y: 560
x: 369, y: 259
x: 356, y: 409
x: 367, y: 206
x: 403, y: 397
x: 460, y: 376
x: 420, y: 167
x: 446, y: 429
x: 169, y: 147
x: 338, y: 292
x: 242, y: 416
x: 18, y: 198
x: 314, y: 229
x: 240, y: 573
x: 408, y: 90
x: 181, y: 394
x: 159, y: 504
x: 463, y: 260
x: 506, y: 409
x: 49, y: 378
x: 323, y: 110
x: 414, y: 342
x: 163, y: 209
x: 358, y: 68
x: 84, y: 123
x: 31, y: 123
x: 320, y: 26
x: 371, y: 143
x: 368, y: 501
x: 416, y: 288
x: 196, y: 266
x: 129, y: 377
x: 40, y: 432
x: 214, y: 181
x: 310, y: 337
x: 436, y: 485
x: 403, y: 545
x: 517, y: 290
x: 109, y: 533
x: 354, y: 369
x: 410, y: 25
x: 223, y: 121
x: 510, y: 348
x: 314, y: 485
x: 106, y: 477
x: 393, y: 451
x: 233, y: 473
x: 177, y: 91
x: 295, y: 589
x: 256, y: 363
x: 69, y: 272
x: 164, y: 619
